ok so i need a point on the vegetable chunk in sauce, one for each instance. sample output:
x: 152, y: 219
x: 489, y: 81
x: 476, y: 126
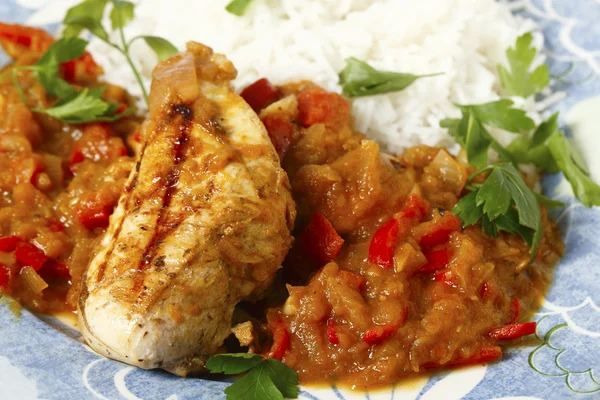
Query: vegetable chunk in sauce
x: 410, y: 290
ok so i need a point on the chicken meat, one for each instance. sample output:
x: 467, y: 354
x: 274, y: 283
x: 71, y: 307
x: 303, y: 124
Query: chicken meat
x: 204, y: 223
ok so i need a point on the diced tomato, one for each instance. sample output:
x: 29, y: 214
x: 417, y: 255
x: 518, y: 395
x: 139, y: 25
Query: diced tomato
x: 28, y: 254
x: 79, y: 70
x: 513, y: 331
x: 4, y: 276
x: 97, y: 143
x: 53, y: 269
x: 415, y: 207
x: 352, y: 280
x: 92, y: 213
x: 485, y: 288
x: 280, y: 132
x: 56, y: 226
x: 9, y: 243
x: 320, y: 239
x: 24, y: 37
x: 331, y: 333
x: 436, y: 260
x: 318, y: 106
x: 378, y: 334
x: 383, y: 244
x: 260, y: 94
x: 281, y: 340
x: 441, y: 232
x: 515, y: 308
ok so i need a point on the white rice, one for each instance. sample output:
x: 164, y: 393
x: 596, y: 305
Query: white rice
x: 287, y: 40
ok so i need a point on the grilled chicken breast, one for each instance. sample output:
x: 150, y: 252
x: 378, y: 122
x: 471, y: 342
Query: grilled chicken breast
x: 204, y: 223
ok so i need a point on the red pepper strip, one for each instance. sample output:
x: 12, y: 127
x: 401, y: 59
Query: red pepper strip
x: 317, y: 106
x: 441, y: 234
x: 415, y: 207
x: 80, y: 67
x: 9, y: 243
x: 53, y: 269
x: 436, y: 260
x: 27, y: 254
x: 280, y: 132
x: 513, y: 331
x: 56, y: 226
x: 260, y: 94
x: 320, y: 239
x: 4, y: 276
x: 383, y: 244
x: 485, y: 288
x: 515, y: 308
x: 378, y: 334
x: 352, y: 280
x: 33, y: 38
x: 331, y: 334
x: 93, y: 214
x: 281, y: 341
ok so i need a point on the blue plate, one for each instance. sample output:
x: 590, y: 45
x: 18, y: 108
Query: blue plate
x: 41, y: 357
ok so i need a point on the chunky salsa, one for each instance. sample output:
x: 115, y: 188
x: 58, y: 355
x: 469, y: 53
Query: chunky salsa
x: 383, y: 281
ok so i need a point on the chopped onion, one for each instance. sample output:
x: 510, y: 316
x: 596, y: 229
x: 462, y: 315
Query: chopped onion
x: 34, y: 282
x: 451, y: 171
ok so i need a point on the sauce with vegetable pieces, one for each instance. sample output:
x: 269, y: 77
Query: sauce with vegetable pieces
x: 384, y: 281
x: 59, y: 182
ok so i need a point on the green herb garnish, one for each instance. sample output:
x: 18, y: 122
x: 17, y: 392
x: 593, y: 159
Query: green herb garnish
x: 519, y: 81
x: 88, y: 16
x: 266, y: 379
x: 72, y: 106
x: 360, y: 79
x: 502, y: 203
x: 471, y: 133
x: 238, y: 7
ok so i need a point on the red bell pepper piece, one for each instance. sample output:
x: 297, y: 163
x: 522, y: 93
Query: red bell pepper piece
x: 331, y: 333
x: 53, y: 269
x: 27, y: 254
x: 485, y: 288
x: 31, y: 38
x: 9, y: 243
x: 415, y: 207
x: 4, y: 276
x: 481, y: 357
x: 318, y: 106
x: 378, y: 334
x: 436, y: 260
x: 280, y: 132
x: 281, y: 341
x: 320, y: 239
x: 83, y: 67
x: 93, y: 214
x: 513, y: 331
x: 56, y: 226
x: 383, y: 244
x: 441, y: 233
x: 441, y: 277
x: 515, y: 308
x: 260, y: 94
x: 352, y: 280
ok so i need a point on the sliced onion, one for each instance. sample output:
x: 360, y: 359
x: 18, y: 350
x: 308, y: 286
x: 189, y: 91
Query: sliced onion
x: 32, y: 280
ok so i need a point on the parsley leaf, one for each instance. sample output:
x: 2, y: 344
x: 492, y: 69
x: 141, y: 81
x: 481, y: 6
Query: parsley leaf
x: 360, y: 79
x: 570, y: 163
x: 267, y: 379
x: 161, y: 47
x: 238, y: 7
x: 61, y: 51
x: 83, y: 107
x: 501, y: 114
x: 86, y: 15
x: 534, y: 149
x: 121, y: 13
x: 519, y: 81
x: 503, y: 203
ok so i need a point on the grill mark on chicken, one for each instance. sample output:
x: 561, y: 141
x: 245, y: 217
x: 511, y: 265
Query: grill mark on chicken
x: 171, y: 181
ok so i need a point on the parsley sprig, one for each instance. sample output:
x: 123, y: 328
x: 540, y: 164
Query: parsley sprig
x: 519, y: 81
x: 238, y: 7
x: 502, y: 203
x: 72, y: 106
x: 265, y: 379
x: 360, y: 79
x: 88, y: 16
